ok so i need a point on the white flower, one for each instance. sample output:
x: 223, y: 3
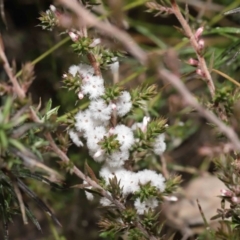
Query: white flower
x: 85, y: 70
x: 94, y: 136
x: 128, y: 180
x: 106, y: 171
x: 124, y: 103
x: 129, y: 183
x: 154, y: 178
x: 84, y: 121
x: 146, y: 205
x: 124, y: 136
x: 75, y: 138
x: 100, y: 110
x: 93, y: 87
x: 117, y: 159
x: 73, y: 70
x: 159, y: 145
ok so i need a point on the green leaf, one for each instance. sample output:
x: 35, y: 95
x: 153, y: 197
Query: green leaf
x: 16, y: 144
x: 49, y: 105
x: 3, y: 139
x: 7, y: 109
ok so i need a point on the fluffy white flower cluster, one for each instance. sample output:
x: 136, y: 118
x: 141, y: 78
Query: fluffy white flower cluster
x: 93, y: 86
x: 159, y: 145
x: 130, y: 183
x: 93, y: 123
x: 145, y: 205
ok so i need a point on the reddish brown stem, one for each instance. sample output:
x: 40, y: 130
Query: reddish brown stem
x: 188, y: 31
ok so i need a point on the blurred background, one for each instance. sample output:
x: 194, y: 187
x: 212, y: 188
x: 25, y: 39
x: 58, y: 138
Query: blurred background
x: 188, y: 137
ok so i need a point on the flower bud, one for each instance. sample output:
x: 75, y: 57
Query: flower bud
x: 199, y: 72
x: 198, y: 33
x: 73, y: 36
x: 145, y: 123
x: 226, y: 193
x: 80, y: 95
x: 193, y: 62
x: 235, y: 199
x: 53, y: 8
x: 201, y: 44
x: 171, y: 198
x: 98, y: 153
x: 113, y: 106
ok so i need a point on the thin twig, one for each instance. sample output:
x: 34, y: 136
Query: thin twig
x: 191, y: 100
x: 194, y: 43
x: 16, y: 86
x: 21, y: 204
x: 164, y: 167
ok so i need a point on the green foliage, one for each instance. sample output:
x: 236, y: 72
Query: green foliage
x: 142, y: 94
x: 112, y: 92
x: 146, y: 191
x: 12, y: 188
x: 19, y: 144
x: 48, y: 20
x: 110, y: 143
x: 72, y: 83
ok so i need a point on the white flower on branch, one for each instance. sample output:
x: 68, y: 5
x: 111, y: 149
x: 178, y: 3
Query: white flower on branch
x: 128, y: 180
x: 157, y: 180
x: 84, y: 122
x: 124, y: 103
x: 100, y: 110
x: 124, y: 136
x: 145, y: 205
x: 84, y: 70
x: 159, y: 145
x: 117, y: 159
x: 75, y: 138
x: 94, y: 137
x: 74, y: 69
x: 93, y: 87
